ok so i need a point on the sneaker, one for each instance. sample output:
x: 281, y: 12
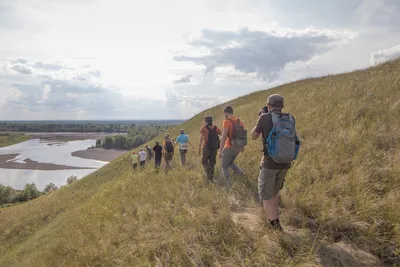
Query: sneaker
x: 276, y: 225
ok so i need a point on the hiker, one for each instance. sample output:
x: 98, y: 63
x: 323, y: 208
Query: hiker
x: 149, y: 153
x: 143, y: 156
x: 134, y: 160
x: 233, y: 141
x: 209, y: 143
x: 157, y: 154
x: 276, y: 161
x: 184, y: 142
x: 168, y: 152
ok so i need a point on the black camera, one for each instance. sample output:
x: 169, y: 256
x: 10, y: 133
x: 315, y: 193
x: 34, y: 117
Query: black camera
x: 263, y: 110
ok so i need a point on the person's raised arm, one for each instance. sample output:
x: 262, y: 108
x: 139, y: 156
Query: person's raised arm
x: 257, y: 130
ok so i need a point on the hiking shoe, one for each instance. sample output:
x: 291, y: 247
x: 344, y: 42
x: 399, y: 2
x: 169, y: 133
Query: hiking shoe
x: 276, y: 225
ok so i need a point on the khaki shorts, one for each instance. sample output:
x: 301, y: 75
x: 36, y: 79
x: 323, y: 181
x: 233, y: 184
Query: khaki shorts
x: 270, y: 182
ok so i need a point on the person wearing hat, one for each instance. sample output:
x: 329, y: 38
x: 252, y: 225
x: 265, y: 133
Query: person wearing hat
x: 168, y: 152
x: 184, y: 142
x: 134, y: 160
x: 272, y: 175
x: 209, y: 147
x: 229, y: 153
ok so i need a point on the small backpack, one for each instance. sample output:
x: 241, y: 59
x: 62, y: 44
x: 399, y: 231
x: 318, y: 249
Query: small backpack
x: 213, y: 138
x: 169, y: 147
x: 239, y: 135
x: 282, y: 144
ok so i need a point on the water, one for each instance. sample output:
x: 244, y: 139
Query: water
x: 40, y: 151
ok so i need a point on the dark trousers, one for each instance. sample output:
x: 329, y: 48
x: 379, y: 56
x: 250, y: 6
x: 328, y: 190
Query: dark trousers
x: 208, y: 160
x: 142, y: 163
x: 183, y: 156
x: 157, y: 162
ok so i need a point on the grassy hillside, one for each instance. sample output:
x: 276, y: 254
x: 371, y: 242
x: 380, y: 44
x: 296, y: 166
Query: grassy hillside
x: 8, y: 139
x: 340, y: 204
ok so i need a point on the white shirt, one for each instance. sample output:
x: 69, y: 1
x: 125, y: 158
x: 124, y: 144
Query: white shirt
x: 142, y: 155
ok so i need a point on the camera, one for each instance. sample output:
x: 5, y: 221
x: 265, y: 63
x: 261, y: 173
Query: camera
x: 263, y: 110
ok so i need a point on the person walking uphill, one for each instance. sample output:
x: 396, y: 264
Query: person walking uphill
x: 157, y: 154
x: 149, y: 153
x: 233, y: 141
x: 142, y: 157
x: 280, y: 148
x: 168, y: 152
x: 183, y: 141
x: 134, y: 160
x: 209, y: 142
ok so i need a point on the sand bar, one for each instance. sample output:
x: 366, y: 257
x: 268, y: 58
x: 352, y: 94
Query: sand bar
x: 99, y: 154
x: 32, y: 165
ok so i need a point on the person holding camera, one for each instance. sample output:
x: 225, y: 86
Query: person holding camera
x: 274, y: 125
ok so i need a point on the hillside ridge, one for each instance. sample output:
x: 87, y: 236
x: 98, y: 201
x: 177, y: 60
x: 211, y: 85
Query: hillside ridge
x: 337, y: 205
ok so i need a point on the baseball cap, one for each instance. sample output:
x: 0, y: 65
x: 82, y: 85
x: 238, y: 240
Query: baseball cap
x: 228, y: 109
x: 275, y: 100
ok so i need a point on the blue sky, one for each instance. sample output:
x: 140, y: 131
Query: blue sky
x: 121, y: 59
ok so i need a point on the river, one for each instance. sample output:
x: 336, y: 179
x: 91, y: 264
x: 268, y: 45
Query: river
x: 31, y: 155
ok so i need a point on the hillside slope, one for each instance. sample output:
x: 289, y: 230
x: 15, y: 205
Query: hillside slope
x: 339, y: 205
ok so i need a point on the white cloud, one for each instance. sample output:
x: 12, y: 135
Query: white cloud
x: 119, y: 55
x: 265, y: 53
x: 385, y: 55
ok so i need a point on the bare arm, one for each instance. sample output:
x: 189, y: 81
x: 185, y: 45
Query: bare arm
x: 201, y: 142
x: 255, y: 134
x: 223, y: 139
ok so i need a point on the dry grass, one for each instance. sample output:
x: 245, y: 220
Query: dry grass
x: 339, y: 205
x: 8, y: 139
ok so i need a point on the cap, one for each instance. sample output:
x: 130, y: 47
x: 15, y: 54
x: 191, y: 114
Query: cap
x: 208, y: 118
x: 275, y: 100
x: 166, y: 135
x: 181, y: 131
x: 228, y: 109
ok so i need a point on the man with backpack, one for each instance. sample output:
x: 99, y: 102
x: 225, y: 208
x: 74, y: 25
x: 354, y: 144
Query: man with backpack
x: 280, y: 148
x: 157, y: 154
x: 168, y: 152
x: 183, y: 141
x: 209, y: 142
x: 233, y: 141
x: 149, y: 153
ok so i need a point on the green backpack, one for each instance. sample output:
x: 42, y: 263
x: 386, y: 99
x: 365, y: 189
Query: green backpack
x: 239, y: 135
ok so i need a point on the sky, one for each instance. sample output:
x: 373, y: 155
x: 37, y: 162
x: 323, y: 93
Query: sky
x: 129, y: 59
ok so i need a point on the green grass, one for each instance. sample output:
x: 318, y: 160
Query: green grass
x: 339, y: 204
x: 8, y: 139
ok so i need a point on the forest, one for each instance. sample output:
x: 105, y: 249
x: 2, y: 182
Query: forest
x: 137, y: 135
x: 79, y: 126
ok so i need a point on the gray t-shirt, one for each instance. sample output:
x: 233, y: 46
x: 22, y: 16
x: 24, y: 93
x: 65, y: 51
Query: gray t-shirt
x: 264, y: 127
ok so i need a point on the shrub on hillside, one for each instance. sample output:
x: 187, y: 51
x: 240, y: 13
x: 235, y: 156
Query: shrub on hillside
x: 30, y: 192
x: 7, y: 194
x: 71, y: 179
x: 50, y: 188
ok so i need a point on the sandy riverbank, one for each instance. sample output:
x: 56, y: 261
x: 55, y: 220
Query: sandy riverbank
x: 99, y: 154
x: 32, y: 165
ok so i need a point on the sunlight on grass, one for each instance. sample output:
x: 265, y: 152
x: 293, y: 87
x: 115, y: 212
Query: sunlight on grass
x: 339, y: 204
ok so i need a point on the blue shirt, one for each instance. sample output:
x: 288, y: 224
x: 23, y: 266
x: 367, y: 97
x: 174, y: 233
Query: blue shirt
x: 182, y: 139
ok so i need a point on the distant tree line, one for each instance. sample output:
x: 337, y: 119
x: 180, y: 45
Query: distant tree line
x: 137, y: 135
x: 78, y: 126
x: 9, y: 195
